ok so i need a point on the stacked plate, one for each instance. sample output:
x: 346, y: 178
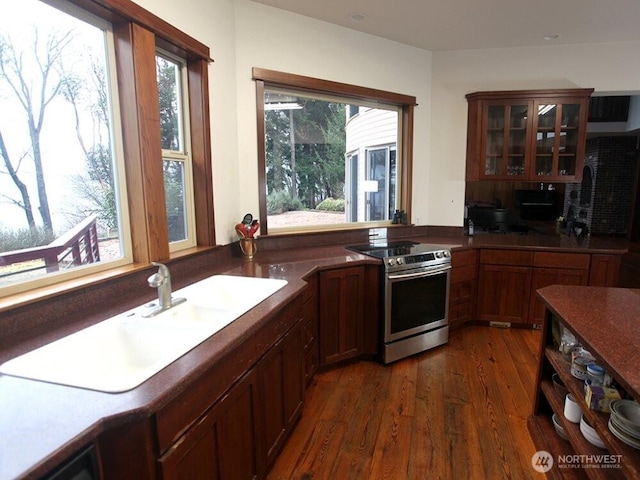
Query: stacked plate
x: 590, y: 433
x: 624, y: 422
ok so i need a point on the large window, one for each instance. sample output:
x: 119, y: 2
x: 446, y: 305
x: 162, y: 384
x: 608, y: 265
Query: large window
x: 328, y: 153
x: 88, y: 181
x: 62, y: 205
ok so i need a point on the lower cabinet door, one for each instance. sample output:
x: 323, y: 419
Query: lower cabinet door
x: 543, y: 277
x: 222, y: 445
x: 341, y: 318
x: 503, y: 293
x: 282, y: 387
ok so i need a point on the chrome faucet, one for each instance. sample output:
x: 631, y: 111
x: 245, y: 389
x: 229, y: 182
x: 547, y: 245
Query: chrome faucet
x: 162, y: 281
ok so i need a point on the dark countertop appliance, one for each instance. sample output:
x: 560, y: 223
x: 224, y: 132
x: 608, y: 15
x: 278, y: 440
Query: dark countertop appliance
x: 415, y: 296
x: 537, y: 204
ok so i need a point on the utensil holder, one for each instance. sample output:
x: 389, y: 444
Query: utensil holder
x: 249, y: 247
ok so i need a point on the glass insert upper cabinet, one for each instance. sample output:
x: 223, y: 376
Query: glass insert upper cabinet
x: 533, y: 135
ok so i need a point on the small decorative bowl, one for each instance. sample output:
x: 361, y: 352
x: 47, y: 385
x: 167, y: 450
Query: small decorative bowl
x: 558, y: 385
x: 559, y: 430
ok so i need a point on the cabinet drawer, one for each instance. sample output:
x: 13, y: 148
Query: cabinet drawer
x: 562, y: 260
x: 506, y: 257
x: 466, y: 257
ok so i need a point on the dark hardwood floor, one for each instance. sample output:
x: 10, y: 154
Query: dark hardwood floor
x: 454, y: 412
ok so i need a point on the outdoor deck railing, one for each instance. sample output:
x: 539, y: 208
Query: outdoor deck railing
x: 76, y: 247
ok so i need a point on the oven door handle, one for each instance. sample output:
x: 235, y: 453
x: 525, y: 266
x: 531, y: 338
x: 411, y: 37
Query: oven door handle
x: 418, y: 274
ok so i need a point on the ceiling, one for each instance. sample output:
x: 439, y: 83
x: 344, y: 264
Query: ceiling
x: 440, y: 25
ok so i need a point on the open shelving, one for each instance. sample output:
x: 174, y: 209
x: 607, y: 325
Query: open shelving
x: 549, y: 401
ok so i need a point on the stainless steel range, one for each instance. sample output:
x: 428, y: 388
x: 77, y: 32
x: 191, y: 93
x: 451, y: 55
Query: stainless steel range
x: 416, y: 296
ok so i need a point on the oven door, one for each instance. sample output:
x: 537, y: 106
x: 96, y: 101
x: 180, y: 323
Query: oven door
x: 415, y: 303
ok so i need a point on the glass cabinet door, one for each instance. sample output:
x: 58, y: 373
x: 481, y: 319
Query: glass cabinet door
x: 557, y: 136
x: 505, y: 140
x: 568, y: 145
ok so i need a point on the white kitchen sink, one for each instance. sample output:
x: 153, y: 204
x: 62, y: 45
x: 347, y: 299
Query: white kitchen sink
x: 121, y: 352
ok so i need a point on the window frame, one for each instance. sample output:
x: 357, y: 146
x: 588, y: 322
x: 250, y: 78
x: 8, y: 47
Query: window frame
x: 119, y: 172
x: 183, y: 155
x: 265, y: 79
x: 137, y: 34
x: 136, y: 60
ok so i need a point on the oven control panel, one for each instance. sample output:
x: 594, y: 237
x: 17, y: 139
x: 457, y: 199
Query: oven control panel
x: 419, y: 260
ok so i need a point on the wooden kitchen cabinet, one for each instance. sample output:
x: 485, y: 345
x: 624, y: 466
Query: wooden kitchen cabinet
x: 504, y: 286
x: 462, y: 290
x: 503, y: 294
x: 223, y: 443
x: 527, y: 135
x: 555, y: 269
x: 282, y: 391
x: 341, y: 314
x: 605, y: 270
x: 508, y: 281
x: 310, y: 329
x: 233, y: 420
x: 240, y: 436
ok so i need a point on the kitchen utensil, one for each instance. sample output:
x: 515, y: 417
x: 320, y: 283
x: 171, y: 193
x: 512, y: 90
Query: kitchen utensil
x: 255, y: 225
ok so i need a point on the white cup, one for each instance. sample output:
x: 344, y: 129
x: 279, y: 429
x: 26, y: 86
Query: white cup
x: 572, y: 411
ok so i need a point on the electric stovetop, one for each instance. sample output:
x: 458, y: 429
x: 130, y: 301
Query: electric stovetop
x: 394, y: 249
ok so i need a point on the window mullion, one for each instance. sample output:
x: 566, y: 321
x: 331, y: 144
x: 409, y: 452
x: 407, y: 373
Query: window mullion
x: 135, y: 53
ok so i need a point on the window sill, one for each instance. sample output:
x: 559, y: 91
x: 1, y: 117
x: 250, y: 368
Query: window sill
x: 333, y: 228
x: 43, y: 293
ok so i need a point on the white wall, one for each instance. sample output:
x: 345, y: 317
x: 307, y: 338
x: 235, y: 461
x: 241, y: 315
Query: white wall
x: 604, y: 67
x: 278, y: 40
x: 242, y: 34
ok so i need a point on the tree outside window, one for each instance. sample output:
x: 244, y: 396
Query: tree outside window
x: 57, y: 143
x: 323, y: 156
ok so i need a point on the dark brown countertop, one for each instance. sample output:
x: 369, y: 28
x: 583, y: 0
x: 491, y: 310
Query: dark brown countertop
x: 43, y: 423
x: 557, y: 243
x: 605, y: 319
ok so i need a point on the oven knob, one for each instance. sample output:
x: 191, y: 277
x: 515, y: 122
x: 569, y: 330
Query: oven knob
x: 447, y: 253
x: 391, y: 262
x: 400, y: 260
x: 439, y: 254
